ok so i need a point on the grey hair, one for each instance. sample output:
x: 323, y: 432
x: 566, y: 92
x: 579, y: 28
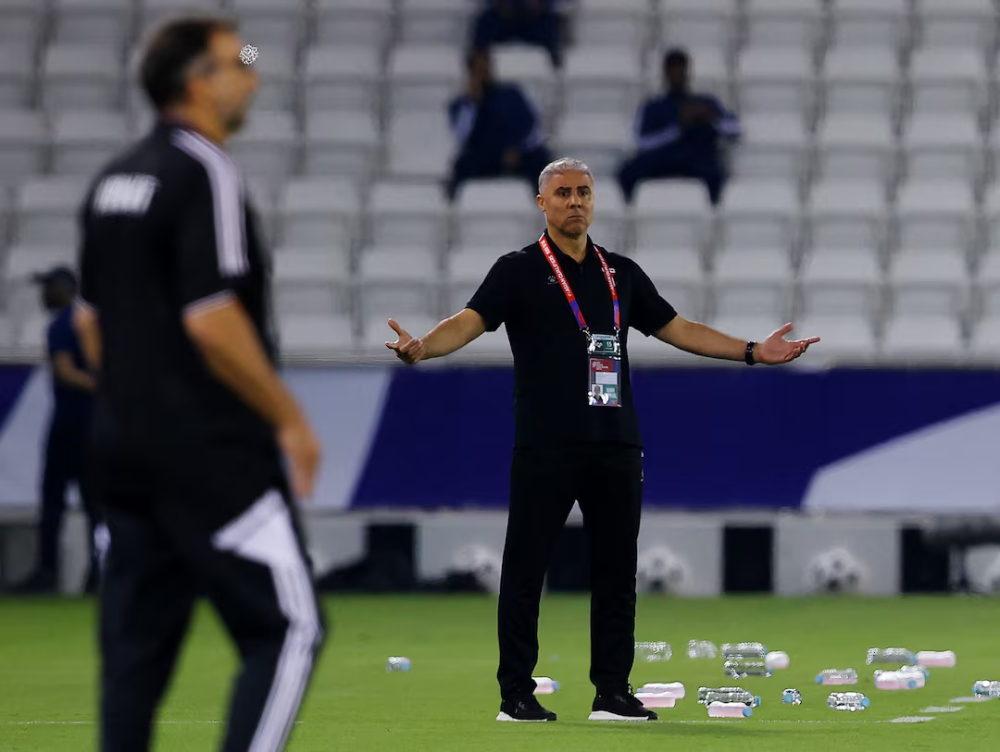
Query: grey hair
x: 561, y: 167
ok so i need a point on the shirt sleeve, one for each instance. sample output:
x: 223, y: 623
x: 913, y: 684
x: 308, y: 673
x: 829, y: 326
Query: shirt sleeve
x: 85, y: 259
x: 211, y: 231
x: 650, y: 312
x: 492, y: 299
x: 61, y: 337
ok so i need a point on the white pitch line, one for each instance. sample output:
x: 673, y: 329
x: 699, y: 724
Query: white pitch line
x: 913, y: 719
x: 974, y: 698
x: 943, y: 709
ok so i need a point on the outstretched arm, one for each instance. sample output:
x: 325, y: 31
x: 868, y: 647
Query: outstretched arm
x: 703, y: 340
x: 452, y: 334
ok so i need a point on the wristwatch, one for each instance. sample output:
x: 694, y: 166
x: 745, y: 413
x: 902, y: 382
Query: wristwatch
x: 748, y: 354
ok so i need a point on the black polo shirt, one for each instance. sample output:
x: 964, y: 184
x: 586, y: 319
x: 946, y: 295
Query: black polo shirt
x: 550, y: 350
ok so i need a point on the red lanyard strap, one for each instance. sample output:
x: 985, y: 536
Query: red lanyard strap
x: 568, y: 291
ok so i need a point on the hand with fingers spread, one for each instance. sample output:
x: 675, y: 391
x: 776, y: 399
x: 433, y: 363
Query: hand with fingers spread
x: 776, y: 349
x: 408, y: 349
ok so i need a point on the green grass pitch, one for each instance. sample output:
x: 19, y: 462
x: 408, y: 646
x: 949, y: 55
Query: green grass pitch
x: 449, y: 699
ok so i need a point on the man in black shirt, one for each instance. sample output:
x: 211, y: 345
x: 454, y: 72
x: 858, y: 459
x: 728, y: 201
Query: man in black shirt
x: 567, y: 305
x: 191, y: 421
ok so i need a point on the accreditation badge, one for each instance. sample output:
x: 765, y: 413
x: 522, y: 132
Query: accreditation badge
x: 604, y: 366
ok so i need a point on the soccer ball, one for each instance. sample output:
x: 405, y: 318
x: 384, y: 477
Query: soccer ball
x: 481, y: 562
x: 659, y: 570
x: 835, y: 571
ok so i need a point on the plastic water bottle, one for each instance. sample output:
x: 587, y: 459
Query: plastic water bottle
x: 851, y: 701
x: 674, y: 688
x: 986, y: 688
x: 791, y: 697
x: 741, y: 668
x: 708, y: 695
x: 890, y: 655
x: 702, y: 649
x: 921, y: 671
x: 837, y: 676
x: 656, y: 699
x: 544, y: 685
x: 898, y: 680
x: 651, y: 652
x: 943, y: 658
x: 776, y: 659
x: 743, y: 650
x: 397, y: 664
x: 729, y: 710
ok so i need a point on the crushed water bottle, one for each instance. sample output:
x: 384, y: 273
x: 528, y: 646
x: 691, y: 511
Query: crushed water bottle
x: 921, y: 671
x: 891, y: 655
x: 941, y: 658
x: 651, y: 652
x: 743, y: 650
x: 741, y: 668
x: 397, y: 663
x: 545, y: 685
x: 986, y: 688
x: 899, y: 679
x: 708, y: 695
x: 851, y: 701
x: 702, y: 649
x: 837, y: 676
x: 791, y: 697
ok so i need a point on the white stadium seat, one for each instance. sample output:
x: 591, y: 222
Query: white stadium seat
x: 946, y: 79
x: 861, y: 80
x: 305, y: 334
x: 23, y: 138
x: 935, y: 214
x: 408, y: 213
x: 531, y: 68
x: 79, y: 76
x: 601, y: 79
x: 434, y: 21
x: 341, y: 143
x: 611, y: 216
x: 267, y: 146
x: 420, y: 146
x: 776, y: 79
x: 760, y: 214
x: 362, y: 22
x: 276, y: 69
x: 624, y: 22
x: 943, y: 146
x: 672, y: 214
x: 311, y: 282
x: 771, y: 147
x: 17, y: 74
x: 870, y: 23
x: 406, y: 280
x: 47, y: 210
x: 266, y: 22
x: 601, y: 140
x: 842, y: 281
x: 319, y: 213
x: 926, y: 282
x: 967, y: 24
x: 784, y: 22
x: 84, y: 142
x: 153, y: 13
x: 856, y: 147
x: 923, y: 337
x: 22, y: 22
x: 699, y: 23
x: 343, y: 78
x: 465, y: 271
x: 679, y: 277
x: 849, y: 336
x: 845, y: 213
x: 424, y: 77
x: 88, y: 21
x: 498, y: 212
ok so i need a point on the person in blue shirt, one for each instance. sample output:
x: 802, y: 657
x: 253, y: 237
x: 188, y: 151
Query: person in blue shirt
x: 66, y: 445
x: 535, y: 22
x: 678, y: 134
x: 498, y: 130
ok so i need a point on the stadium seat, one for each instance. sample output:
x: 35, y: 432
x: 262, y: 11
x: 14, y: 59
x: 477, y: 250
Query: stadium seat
x: 856, y: 147
x: 864, y: 23
x: 766, y: 299
x: 362, y: 22
x: 601, y: 79
x: 420, y: 146
x: 777, y: 23
x: 319, y: 213
x: 23, y: 261
x: 943, y: 146
x: 760, y: 214
x: 465, y: 271
x: 423, y: 78
x: 679, y: 276
x: 672, y: 214
x: 375, y: 332
x: 985, y: 339
x: 935, y: 214
x: 771, y: 147
x: 341, y: 143
x: 47, y: 211
x: 491, y: 347
x: 23, y: 138
x: 81, y: 76
x: 7, y: 332
x: 775, y: 79
x: 929, y: 282
x: 22, y: 22
x: 624, y: 22
x: 309, y: 334
x: 405, y: 280
x: 846, y: 213
x: 84, y: 142
x: 947, y: 80
x: 16, y: 75
x: 601, y: 140
x: 261, y: 197
x: 264, y: 22
x: 408, y: 213
x: 529, y: 67
x: 611, y: 217
x: 107, y: 22
x: 962, y: 24
x: 841, y: 282
x: 267, y: 147
x: 923, y: 337
x: 276, y: 69
x: 861, y: 81
x: 311, y: 282
x: 991, y: 219
x: 343, y: 78
x: 699, y: 23
x: 754, y: 265
x: 154, y: 13
x: 847, y: 336
x: 31, y: 334
x: 434, y: 21
x: 501, y: 210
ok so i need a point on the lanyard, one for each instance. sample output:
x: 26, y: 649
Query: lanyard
x: 568, y: 291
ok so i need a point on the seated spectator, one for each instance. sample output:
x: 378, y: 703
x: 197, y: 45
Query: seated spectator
x: 530, y: 21
x: 678, y: 134
x: 497, y: 129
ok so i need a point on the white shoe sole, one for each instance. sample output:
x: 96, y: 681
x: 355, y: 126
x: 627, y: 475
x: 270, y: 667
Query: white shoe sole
x: 604, y: 715
x: 511, y: 719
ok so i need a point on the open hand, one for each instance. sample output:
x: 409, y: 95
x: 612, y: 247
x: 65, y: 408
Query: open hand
x: 407, y: 349
x: 776, y: 349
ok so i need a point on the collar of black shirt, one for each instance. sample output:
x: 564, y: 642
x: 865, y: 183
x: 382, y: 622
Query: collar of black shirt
x: 562, y: 258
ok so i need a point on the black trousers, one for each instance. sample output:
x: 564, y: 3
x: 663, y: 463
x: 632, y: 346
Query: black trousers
x: 65, y: 463
x: 163, y: 553
x: 607, y: 483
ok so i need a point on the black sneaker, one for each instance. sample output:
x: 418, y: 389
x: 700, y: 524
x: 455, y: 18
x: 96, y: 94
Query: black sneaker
x: 620, y: 706
x: 524, y: 710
